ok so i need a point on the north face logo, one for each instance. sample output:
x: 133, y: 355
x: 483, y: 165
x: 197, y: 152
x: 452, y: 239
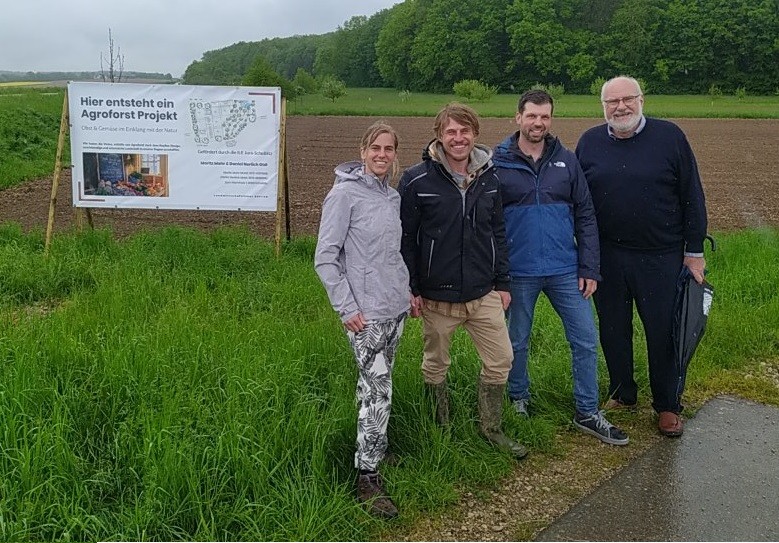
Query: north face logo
x: 559, y: 164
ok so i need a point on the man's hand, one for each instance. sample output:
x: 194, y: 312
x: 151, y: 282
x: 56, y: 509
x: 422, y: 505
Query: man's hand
x: 587, y: 287
x: 356, y: 323
x: 696, y: 265
x: 416, y: 306
x: 505, y: 298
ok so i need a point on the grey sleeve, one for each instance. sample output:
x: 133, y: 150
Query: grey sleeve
x: 328, y: 258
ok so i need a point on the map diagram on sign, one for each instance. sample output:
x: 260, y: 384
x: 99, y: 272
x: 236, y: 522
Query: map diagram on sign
x: 220, y: 122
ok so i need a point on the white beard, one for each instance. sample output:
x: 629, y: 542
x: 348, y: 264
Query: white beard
x: 626, y: 124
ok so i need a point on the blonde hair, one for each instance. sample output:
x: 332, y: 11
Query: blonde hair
x: 460, y: 113
x: 374, y: 131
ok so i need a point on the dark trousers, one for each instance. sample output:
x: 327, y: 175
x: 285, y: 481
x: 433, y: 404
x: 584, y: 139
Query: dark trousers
x: 649, y: 280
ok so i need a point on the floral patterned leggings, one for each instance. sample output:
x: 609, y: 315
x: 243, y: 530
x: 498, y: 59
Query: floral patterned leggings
x: 374, y: 349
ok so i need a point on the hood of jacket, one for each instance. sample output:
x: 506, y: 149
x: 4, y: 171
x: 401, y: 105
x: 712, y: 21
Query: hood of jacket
x: 354, y: 171
x: 479, y: 160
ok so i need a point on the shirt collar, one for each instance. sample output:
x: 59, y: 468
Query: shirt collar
x: 639, y: 128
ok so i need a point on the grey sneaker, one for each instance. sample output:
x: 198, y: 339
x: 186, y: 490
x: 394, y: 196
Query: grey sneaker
x: 521, y: 406
x: 597, y: 425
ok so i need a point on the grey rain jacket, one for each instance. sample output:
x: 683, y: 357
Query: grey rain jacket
x: 358, y: 251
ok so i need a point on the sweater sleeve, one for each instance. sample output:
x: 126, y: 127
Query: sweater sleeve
x: 585, y: 225
x: 328, y: 261
x: 692, y: 199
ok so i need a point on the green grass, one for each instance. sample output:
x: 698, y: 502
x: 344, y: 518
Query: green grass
x: 183, y: 385
x: 389, y: 102
x: 29, y: 126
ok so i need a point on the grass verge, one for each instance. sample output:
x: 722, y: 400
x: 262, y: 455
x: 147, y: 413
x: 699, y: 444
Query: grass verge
x: 184, y: 385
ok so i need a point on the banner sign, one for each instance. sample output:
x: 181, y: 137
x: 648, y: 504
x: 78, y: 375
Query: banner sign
x: 174, y: 146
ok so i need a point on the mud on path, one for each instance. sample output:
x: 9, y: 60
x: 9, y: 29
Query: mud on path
x: 737, y: 160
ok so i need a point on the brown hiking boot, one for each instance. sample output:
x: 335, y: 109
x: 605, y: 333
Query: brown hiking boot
x: 490, y: 416
x: 440, y: 395
x: 370, y: 491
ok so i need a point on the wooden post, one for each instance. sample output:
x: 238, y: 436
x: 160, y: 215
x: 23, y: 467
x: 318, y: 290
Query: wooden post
x: 281, y: 189
x: 287, y: 214
x: 64, y: 125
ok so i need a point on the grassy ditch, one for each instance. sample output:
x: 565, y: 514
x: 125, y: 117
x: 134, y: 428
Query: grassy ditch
x: 184, y: 385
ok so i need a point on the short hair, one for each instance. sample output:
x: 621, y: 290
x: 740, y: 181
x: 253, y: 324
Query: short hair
x: 625, y: 77
x: 374, y: 131
x: 535, y: 96
x: 459, y: 113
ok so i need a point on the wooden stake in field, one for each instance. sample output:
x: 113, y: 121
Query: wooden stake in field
x: 64, y: 124
x: 282, y: 193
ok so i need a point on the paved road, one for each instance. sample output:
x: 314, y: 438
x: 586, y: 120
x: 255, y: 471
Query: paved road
x: 718, y: 482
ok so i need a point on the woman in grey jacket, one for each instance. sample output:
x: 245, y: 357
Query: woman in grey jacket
x: 358, y: 260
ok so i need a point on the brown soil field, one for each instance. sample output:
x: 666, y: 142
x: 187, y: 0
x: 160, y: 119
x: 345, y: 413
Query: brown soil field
x: 737, y: 160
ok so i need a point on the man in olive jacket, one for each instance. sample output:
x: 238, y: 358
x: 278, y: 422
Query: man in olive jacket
x: 454, y: 244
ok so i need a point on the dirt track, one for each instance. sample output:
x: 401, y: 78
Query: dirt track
x: 737, y: 160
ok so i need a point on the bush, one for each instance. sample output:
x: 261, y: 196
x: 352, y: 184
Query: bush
x: 741, y: 93
x: 404, y: 95
x: 471, y: 89
x: 597, y: 85
x: 555, y: 91
x: 262, y: 74
x: 715, y: 91
x: 305, y: 82
x: 332, y: 87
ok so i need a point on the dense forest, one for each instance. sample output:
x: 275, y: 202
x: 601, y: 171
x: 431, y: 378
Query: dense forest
x: 674, y: 46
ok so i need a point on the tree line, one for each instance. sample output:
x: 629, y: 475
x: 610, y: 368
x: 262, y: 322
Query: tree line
x: 674, y: 46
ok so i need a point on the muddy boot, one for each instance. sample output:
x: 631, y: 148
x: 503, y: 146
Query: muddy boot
x: 440, y: 395
x: 490, y: 414
x: 370, y: 491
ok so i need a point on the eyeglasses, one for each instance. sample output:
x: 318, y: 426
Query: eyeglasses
x: 629, y: 101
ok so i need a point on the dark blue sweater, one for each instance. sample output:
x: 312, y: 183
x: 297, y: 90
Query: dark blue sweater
x: 646, y: 189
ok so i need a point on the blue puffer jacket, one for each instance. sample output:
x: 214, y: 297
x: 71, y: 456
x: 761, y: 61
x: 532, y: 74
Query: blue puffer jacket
x: 550, y: 219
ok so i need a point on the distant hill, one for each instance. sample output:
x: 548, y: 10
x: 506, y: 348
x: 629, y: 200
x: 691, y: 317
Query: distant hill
x: 127, y: 77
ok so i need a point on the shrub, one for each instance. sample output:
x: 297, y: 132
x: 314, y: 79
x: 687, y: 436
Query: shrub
x: 332, y: 87
x: 262, y: 74
x: 471, y: 89
x: 305, y: 81
x: 741, y: 93
x: 555, y: 91
x: 597, y: 85
x: 404, y: 95
x: 715, y: 91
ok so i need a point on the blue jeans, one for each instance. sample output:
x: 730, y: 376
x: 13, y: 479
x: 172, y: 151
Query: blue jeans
x: 578, y: 322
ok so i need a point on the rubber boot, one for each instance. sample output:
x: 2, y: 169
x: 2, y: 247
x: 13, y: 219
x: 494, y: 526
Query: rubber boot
x: 440, y: 395
x: 490, y: 415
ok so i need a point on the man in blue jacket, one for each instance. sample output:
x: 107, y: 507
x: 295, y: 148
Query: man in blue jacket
x: 552, y: 238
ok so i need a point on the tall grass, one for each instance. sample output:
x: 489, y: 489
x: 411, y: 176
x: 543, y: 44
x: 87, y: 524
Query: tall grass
x: 29, y: 126
x: 183, y: 385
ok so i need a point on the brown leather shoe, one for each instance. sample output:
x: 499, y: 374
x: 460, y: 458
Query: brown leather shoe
x: 618, y: 405
x: 670, y: 424
x: 370, y: 491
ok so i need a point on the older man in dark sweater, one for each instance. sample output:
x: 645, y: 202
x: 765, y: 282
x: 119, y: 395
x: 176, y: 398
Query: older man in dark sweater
x: 651, y: 215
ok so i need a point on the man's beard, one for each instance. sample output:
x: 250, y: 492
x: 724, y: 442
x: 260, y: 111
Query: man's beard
x: 626, y: 124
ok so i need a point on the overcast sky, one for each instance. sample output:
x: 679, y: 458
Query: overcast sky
x: 155, y: 35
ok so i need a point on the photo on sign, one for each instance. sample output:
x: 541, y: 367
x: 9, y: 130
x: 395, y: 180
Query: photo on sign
x: 124, y: 174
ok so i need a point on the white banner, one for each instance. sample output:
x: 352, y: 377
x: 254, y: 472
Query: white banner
x: 174, y: 146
